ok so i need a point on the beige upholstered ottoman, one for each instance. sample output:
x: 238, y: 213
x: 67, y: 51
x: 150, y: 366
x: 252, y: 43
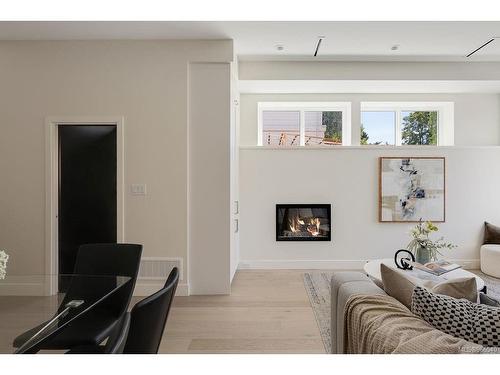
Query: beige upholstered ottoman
x: 490, y: 260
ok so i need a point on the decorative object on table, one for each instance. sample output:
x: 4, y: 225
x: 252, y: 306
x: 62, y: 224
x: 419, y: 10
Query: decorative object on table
x: 437, y: 268
x: 491, y: 234
x: 4, y: 257
x: 411, y: 188
x: 424, y: 248
x: 403, y: 259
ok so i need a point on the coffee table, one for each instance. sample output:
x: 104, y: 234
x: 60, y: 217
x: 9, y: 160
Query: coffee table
x: 372, y: 269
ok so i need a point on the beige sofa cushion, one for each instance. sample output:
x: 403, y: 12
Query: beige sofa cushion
x: 400, y: 286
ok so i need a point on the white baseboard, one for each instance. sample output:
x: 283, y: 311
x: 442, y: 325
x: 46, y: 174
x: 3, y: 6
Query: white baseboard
x: 22, y: 286
x: 301, y: 264
x: 327, y: 264
x: 143, y: 289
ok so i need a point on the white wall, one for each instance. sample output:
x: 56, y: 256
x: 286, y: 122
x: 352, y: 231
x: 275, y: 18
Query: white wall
x: 347, y: 177
x: 146, y: 82
x: 477, y: 116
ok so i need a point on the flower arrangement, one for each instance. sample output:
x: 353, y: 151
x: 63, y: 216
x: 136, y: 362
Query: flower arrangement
x: 424, y: 248
x: 4, y: 257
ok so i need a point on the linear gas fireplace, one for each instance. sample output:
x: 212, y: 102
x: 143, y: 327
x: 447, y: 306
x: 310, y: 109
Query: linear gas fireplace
x: 303, y: 222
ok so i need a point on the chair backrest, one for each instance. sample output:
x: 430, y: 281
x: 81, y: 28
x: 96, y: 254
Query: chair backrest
x: 118, y: 338
x: 104, y: 260
x: 108, y: 259
x: 148, y: 318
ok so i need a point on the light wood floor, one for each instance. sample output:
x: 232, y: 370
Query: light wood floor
x: 267, y: 312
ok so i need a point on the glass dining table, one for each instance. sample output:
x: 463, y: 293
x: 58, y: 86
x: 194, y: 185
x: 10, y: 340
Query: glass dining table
x: 29, y: 323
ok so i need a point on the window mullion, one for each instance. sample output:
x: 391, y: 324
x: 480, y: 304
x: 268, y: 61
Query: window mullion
x: 398, y: 140
x: 302, y: 127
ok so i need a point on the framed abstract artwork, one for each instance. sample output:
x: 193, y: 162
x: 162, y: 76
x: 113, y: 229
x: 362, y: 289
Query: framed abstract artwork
x: 412, y: 189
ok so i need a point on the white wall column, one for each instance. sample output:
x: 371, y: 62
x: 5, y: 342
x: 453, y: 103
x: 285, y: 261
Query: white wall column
x: 209, y: 224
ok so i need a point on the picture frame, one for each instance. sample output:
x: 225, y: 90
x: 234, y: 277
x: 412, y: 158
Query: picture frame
x: 412, y: 188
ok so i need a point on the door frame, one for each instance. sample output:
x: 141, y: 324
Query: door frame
x: 52, y: 187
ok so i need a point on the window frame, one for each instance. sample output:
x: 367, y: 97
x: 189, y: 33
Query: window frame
x: 445, y: 120
x: 302, y: 107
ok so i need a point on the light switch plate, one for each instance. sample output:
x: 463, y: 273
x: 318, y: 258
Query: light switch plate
x: 138, y: 189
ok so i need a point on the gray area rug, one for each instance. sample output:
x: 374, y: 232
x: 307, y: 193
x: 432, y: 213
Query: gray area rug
x: 317, y: 284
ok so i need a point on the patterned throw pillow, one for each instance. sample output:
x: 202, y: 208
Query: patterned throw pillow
x: 458, y: 317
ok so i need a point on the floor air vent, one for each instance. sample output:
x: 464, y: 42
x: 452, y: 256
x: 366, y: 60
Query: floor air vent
x: 158, y: 268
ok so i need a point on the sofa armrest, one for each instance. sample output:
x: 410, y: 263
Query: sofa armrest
x: 343, y: 286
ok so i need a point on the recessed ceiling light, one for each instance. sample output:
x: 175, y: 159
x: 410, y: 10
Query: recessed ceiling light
x: 279, y: 47
x: 395, y: 47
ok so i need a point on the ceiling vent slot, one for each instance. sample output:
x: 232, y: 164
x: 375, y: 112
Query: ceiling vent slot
x: 158, y: 268
x: 320, y: 39
x: 483, y: 46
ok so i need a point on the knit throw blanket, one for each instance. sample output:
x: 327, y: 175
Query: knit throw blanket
x: 379, y: 324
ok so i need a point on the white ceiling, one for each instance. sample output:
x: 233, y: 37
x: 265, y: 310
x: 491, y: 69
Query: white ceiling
x: 418, y: 41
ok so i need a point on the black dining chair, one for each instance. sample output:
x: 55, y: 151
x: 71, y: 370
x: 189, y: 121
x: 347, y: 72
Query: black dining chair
x: 116, y: 341
x: 97, y: 324
x: 147, y: 322
x: 149, y: 317
x: 114, y: 345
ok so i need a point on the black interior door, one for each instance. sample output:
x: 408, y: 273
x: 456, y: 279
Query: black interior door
x: 87, y: 190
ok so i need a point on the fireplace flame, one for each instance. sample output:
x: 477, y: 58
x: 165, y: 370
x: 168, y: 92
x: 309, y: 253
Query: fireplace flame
x: 313, y: 228
x: 297, y: 225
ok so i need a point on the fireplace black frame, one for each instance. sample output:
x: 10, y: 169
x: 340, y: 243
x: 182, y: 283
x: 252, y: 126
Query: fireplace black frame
x: 326, y: 206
